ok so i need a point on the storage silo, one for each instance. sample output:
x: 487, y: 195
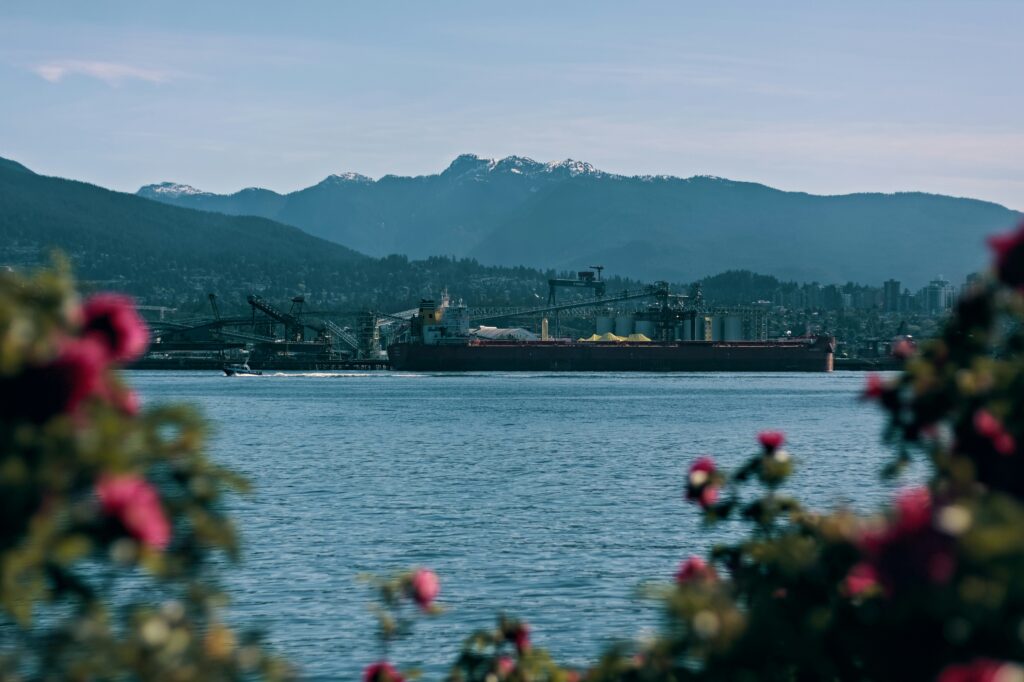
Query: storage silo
x: 646, y: 327
x: 713, y: 327
x: 687, y: 330
x: 623, y: 325
x: 732, y: 328
x: 604, y: 324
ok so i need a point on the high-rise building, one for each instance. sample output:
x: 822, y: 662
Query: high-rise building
x: 891, y: 296
x: 970, y: 282
x: 832, y: 298
x: 938, y: 296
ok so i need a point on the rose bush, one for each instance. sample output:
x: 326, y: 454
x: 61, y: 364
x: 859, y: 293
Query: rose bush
x: 94, y: 495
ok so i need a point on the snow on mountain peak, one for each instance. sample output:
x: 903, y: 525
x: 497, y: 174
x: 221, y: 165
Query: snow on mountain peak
x: 171, y: 189
x: 345, y: 177
x: 476, y: 166
x: 518, y: 165
x: 573, y: 167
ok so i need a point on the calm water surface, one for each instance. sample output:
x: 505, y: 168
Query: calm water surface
x: 548, y: 496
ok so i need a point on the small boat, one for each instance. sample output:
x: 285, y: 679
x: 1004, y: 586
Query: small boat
x: 237, y: 370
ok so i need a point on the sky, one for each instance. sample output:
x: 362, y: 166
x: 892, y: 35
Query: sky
x: 823, y: 97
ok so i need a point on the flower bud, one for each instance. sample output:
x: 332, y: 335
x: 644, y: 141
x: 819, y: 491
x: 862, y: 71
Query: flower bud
x: 113, y: 321
x: 701, y: 486
x: 382, y: 671
x: 136, y: 504
x: 424, y: 587
x: 771, y: 440
x: 695, y: 570
x: 1009, y: 256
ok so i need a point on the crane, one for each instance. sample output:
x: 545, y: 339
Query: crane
x: 292, y: 323
x: 213, y: 304
x: 584, y: 279
x: 657, y: 290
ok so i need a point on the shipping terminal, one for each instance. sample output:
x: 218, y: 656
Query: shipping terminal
x: 649, y: 329
x: 668, y: 336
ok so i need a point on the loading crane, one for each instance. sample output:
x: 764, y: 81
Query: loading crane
x: 393, y: 325
x: 342, y: 335
x: 657, y: 290
x: 293, y: 325
x: 213, y: 304
x: 585, y: 279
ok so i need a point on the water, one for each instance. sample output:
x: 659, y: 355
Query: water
x: 548, y: 496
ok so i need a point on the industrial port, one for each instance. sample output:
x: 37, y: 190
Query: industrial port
x: 649, y: 328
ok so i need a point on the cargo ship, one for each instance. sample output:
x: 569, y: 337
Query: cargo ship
x: 441, y: 340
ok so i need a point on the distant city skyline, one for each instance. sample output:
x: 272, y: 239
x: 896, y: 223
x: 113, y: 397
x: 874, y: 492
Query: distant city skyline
x: 825, y: 98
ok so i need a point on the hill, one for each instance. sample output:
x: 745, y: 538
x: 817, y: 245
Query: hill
x: 570, y: 215
x: 154, y: 250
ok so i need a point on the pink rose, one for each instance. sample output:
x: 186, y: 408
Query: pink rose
x: 861, y: 578
x: 913, y: 509
x: 382, y: 671
x: 708, y: 496
x: 519, y: 635
x: 425, y: 587
x: 986, y: 424
x: 122, y: 398
x: 505, y: 666
x: 1004, y: 444
x: 700, y: 487
x: 873, y: 388
x: 127, y: 401
x: 704, y: 465
x: 910, y: 549
x: 136, y: 504
x: 903, y: 349
x: 113, y: 320
x: 695, y: 569
x: 980, y: 670
x: 992, y: 429
x: 1009, y: 253
x: 771, y: 440
x: 44, y: 391
x: 80, y: 367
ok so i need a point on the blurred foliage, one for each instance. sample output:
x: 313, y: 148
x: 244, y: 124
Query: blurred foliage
x: 933, y: 588
x: 110, y: 517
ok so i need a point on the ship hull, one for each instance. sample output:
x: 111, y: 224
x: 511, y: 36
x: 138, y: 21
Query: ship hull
x: 810, y: 355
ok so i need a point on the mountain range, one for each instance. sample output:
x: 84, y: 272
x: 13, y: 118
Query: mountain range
x: 569, y: 215
x: 168, y: 255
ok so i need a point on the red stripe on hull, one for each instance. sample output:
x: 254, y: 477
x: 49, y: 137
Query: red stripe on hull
x: 812, y: 355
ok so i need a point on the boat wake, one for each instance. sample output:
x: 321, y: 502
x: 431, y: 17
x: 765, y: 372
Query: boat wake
x: 346, y: 375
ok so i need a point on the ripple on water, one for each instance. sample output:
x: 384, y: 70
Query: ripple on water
x: 551, y: 496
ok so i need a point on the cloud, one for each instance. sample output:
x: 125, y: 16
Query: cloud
x: 110, y: 73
